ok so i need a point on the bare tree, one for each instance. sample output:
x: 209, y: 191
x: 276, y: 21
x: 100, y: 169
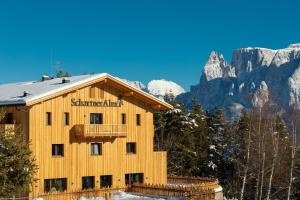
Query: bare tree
x: 247, y: 164
x: 293, y: 155
x: 275, y: 142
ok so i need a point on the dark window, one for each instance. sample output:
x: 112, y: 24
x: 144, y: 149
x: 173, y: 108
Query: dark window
x: 48, y: 118
x: 66, y: 118
x: 9, y: 118
x: 57, y: 150
x: 52, y: 185
x: 134, y: 178
x: 131, y: 147
x: 123, y: 118
x: 96, y: 118
x: 88, y: 182
x: 138, y: 119
x: 105, y: 181
x: 96, y: 148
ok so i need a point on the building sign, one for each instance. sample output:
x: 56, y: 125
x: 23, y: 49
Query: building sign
x: 104, y: 103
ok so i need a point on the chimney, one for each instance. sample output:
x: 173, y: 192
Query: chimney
x: 65, y: 80
x: 25, y: 93
x: 46, y: 78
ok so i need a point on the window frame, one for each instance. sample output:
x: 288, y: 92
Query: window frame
x: 129, y: 148
x: 94, y: 117
x: 66, y: 118
x: 9, y: 118
x: 83, y: 183
x: 48, y: 118
x: 123, y: 118
x: 110, y: 183
x: 64, y: 184
x: 138, y: 119
x: 62, y: 150
x: 130, y: 178
x: 100, y: 148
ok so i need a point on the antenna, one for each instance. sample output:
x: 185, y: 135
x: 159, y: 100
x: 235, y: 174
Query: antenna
x: 58, y: 65
x: 51, y: 59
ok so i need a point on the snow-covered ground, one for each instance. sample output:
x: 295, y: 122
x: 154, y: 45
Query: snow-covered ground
x: 123, y: 196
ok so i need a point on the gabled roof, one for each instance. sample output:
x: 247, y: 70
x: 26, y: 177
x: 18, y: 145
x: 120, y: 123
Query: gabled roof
x: 13, y: 93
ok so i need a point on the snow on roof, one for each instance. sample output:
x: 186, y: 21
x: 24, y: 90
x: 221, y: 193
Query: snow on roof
x: 13, y: 93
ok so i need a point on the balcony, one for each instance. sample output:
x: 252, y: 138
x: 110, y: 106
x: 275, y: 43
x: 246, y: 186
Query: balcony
x: 8, y: 128
x: 101, y: 130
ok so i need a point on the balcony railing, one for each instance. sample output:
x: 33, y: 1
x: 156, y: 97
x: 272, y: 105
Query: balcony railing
x: 101, y: 130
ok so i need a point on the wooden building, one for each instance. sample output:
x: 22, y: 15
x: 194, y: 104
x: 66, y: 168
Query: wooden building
x: 89, y: 131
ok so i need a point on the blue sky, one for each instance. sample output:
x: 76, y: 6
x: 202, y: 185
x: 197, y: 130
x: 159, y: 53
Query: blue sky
x: 136, y: 39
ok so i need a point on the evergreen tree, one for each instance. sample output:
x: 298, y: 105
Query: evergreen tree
x: 219, y: 151
x: 17, y: 166
x: 197, y: 118
x: 61, y: 74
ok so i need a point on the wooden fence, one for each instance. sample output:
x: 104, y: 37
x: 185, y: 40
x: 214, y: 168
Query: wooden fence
x: 185, y: 187
x: 188, y: 188
x: 75, y: 195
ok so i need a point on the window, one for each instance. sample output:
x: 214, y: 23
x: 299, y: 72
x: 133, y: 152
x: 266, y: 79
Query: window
x: 96, y: 148
x: 51, y: 185
x: 138, y: 119
x: 66, y: 118
x: 57, y: 150
x: 123, y: 118
x: 92, y: 92
x: 134, y: 178
x: 9, y: 118
x: 88, y: 182
x: 105, y: 181
x: 96, y: 118
x: 48, y: 118
x: 131, y: 147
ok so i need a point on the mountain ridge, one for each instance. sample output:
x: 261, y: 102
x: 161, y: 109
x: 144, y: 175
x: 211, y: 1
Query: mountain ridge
x: 254, y: 76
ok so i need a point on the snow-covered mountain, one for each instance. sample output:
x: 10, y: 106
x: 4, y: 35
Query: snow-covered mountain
x: 163, y: 87
x: 136, y: 84
x: 254, y: 76
x: 158, y: 88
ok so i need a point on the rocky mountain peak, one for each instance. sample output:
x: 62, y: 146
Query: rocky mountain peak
x: 215, y: 57
x: 216, y: 67
x: 294, y: 46
x: 254, y: 76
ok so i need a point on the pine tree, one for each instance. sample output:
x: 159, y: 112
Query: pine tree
x: 197, y: 118
x: 61, y: 74
x: 219, y: 150
x: 17, y: 167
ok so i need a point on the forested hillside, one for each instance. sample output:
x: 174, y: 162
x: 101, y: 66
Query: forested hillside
x: 253, y: 158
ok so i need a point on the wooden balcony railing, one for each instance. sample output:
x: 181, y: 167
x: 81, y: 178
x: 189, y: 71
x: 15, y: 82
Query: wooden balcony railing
x: 101, y: 130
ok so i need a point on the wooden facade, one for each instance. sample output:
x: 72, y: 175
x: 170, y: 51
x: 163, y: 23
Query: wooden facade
x: 64, y: 118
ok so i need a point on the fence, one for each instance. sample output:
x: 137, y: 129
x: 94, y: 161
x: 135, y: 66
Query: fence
x: 75, y: 195
x: 189, y: 188
x: 72, y: 195
x: 184, y: 187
